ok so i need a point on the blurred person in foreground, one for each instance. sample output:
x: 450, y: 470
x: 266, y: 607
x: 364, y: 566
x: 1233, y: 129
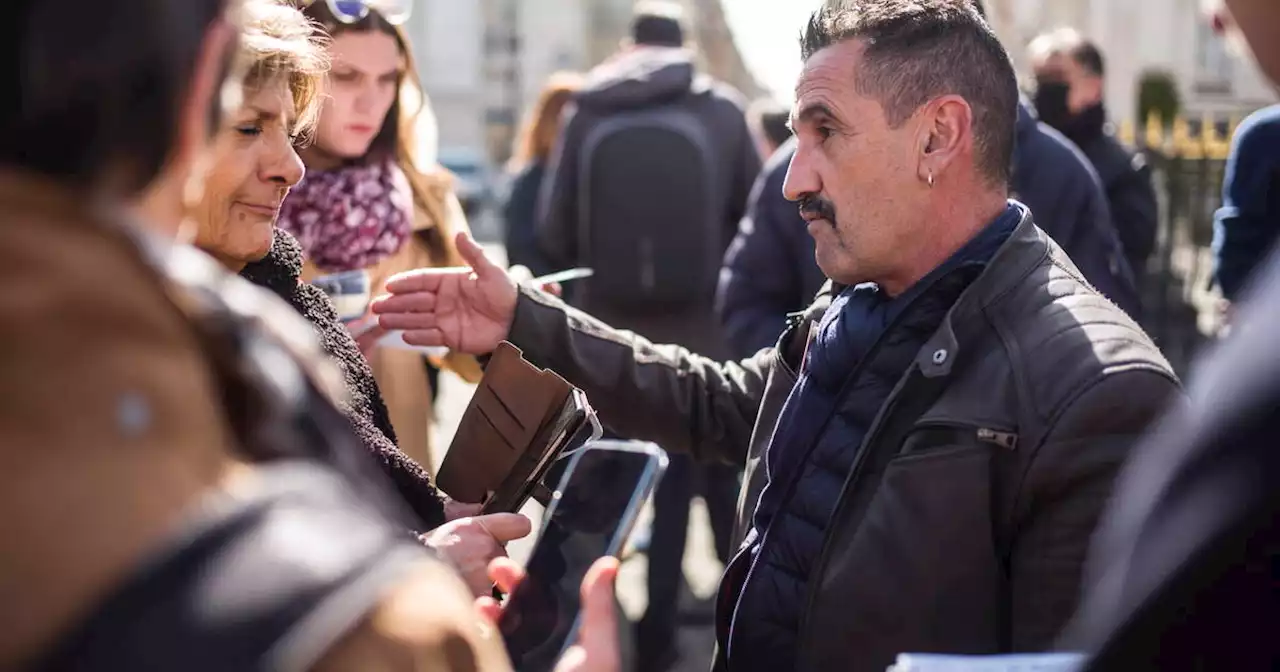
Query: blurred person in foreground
x: 1247, y: 225
x: 1070, y: 83
x: 646, y: 187
x: 770, y: 271
x: 1185, y: 574
x: 180, y: 490
x: 374, y: 197
x: 929, y: 446
x: 528, y: 168
x: 250, y: 172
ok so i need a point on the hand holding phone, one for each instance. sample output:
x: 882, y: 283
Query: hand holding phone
x: 591, y: 515
x: 597, y: 648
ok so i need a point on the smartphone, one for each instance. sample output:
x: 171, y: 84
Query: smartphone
x: 591, y: 515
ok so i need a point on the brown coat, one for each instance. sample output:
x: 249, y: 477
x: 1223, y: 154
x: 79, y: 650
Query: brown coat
x: 111, y: 428
x: 401, y: 374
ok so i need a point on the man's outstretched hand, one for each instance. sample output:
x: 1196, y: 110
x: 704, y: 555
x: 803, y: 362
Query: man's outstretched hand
x: 467, y: 310
x: 596, y: 649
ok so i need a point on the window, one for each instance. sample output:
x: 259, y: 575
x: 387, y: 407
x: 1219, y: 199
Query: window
x: 1213, y: 61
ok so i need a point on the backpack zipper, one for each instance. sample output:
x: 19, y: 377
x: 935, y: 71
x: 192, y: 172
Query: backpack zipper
x: 648, y: 275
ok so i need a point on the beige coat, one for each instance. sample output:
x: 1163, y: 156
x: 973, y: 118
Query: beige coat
x: 402, y: 375
x: 112, y: 428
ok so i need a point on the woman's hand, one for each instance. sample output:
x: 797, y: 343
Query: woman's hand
x: 596, y: 648
x: 454, y: 510
x: 367, y: 332
x: 470, y: 544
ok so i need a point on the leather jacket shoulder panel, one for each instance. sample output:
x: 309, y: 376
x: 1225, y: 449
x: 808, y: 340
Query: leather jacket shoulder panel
x: 1062, y: 336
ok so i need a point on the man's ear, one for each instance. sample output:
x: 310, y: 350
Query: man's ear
x: 945, y: 131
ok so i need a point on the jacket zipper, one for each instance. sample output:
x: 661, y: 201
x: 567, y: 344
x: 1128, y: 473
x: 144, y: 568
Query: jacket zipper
x: 794, y: 320
x: 815, y: 572
x: 1006, y: 440
x: 985, y: 434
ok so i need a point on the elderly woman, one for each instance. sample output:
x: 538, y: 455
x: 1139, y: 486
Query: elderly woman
x: 179, y: 492
x: 254, y: 164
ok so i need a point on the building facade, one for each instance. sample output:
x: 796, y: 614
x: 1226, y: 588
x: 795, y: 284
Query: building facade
x: 1138, y: 37
x: 482, y: 62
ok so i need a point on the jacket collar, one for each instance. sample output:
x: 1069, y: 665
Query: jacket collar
x: 1025, y: 249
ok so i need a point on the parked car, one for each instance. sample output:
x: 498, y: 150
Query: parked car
x: 474, y: 179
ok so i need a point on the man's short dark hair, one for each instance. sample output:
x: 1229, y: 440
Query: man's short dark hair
x: 772, y: 118
x: 918, y: 50
x: 658, y: 24
x: 1069, y: 42
x: 99, y: 86
x: 1090, y: 58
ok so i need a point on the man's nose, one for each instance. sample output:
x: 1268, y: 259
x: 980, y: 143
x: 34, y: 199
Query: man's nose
x: 801, y: 178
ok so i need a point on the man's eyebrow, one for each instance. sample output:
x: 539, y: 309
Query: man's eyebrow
x: 809, y: 112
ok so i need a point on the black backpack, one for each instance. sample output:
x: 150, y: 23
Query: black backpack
x: 650, y: 210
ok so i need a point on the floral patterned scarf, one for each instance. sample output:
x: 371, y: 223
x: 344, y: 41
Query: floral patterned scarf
x: 351, y: 217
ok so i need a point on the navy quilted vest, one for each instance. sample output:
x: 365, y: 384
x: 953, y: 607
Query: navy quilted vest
x: 857, y: 357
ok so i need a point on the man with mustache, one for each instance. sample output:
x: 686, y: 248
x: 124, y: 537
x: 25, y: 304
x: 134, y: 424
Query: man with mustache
x: 930, y: 444
x: 769, y: 269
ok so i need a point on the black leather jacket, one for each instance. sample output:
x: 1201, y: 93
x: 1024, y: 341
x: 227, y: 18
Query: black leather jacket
x: 965, y: 525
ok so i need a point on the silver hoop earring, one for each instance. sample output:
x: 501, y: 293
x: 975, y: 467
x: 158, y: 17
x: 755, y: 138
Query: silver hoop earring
x: 930, y: 180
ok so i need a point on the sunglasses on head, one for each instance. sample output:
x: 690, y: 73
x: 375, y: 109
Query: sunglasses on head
x: 395, y: 12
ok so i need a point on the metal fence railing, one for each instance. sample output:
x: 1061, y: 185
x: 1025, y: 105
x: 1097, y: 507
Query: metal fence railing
x: 1187, y: 159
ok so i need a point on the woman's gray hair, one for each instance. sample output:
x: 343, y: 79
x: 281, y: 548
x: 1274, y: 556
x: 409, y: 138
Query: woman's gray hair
x: 278, y: 42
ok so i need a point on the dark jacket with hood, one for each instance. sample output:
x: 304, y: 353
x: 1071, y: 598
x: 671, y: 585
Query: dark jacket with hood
x: 279, y: 271
x: 1126, y: 178
x: 650, y: 77
x: 1052, y: 177
x: 770, y: 270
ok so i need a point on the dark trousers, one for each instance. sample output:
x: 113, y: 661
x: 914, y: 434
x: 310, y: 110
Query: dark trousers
x: 718, y: 485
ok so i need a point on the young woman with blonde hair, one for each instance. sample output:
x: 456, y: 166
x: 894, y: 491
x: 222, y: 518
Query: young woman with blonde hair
x: 374, y: 197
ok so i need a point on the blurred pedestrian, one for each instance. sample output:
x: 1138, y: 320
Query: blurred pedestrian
x: 528, y: 168
x: 769, y: 124
x: 770, y: 272
x: 374, y: 197
x: 646, y: 187
x: 179, y: 491
x: 1246, y: 227
x: 1070, y: 86
x: 930, y: 444
x: 1185, y: 572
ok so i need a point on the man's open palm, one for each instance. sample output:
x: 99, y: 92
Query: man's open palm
x: 467, y: 310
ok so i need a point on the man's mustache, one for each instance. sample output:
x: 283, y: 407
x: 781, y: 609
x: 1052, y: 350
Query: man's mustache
x: 817, y: 206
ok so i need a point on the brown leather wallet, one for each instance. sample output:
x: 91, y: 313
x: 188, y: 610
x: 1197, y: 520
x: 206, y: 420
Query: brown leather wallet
x: 518, y: 421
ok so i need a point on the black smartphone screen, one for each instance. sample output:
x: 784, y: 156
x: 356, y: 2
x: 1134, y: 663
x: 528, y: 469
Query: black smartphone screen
x: 593, y: 509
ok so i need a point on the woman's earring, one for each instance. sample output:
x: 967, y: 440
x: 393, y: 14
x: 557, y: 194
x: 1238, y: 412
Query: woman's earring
x: 930, y: 180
